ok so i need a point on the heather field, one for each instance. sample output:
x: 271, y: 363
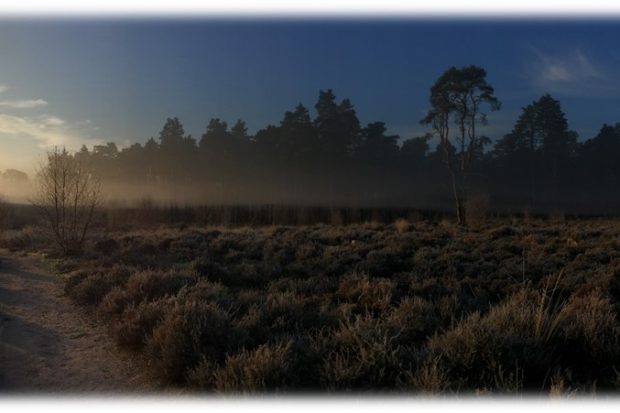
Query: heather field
x: 519, y: 306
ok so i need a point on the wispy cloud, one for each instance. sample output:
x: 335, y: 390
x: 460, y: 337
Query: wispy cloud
x: 25, y: 136
x: 53, y: 121
x: 574, y: 67
x: 45, y: 131
x: 23, y: 104
x: 570, y: 73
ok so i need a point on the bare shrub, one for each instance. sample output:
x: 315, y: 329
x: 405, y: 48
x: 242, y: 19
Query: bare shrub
x: 67, y: 197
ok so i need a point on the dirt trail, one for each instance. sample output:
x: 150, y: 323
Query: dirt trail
x: 47, y: 344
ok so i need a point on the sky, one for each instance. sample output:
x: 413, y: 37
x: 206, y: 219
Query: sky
x: 69, y: 82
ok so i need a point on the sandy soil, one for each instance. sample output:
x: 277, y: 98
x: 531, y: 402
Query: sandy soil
x: 49, y: 345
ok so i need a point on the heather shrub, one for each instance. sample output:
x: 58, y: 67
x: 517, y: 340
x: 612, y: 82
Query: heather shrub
x: 337, y: 260
x: 141, y: 286
x: 431, y: 307
x: 366, y: 294
x: 429, y: 378
x: 382, y: 263
x: 415, y: 318
x: 275, y: 252
x: 152, y: 284
x: 201, y: 377
x: 502, y: 232
x: 424, y: 262
x: 115, y: 302
x: 246, y: 298
x: 207, y: 291
x: 253, y: 322
x: 133, y: 250
x: 207, y: 266
x: 269, y: 367
x: 520, y: 331
x: 448, y: 310
x: 249, y: 274
x: 106, y: 246
x: 283, y: 312
x: 89, y: 288
x: 239, y: 273
x: 190, y: 332
x: 137, y: 322
x: 186, y: 247
x: 73, y: 279
x: 25, y: 239
x: 221, y: 244
x: 591, y: 336
x: 363, y: 354
x: 307, y: 250
x: 522, y: 338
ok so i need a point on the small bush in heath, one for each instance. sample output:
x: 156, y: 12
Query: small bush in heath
x: 190, y: 332
x: 137, y: 322
x: 269, y: 367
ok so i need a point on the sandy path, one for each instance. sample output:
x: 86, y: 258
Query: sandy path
x: 47, y: 344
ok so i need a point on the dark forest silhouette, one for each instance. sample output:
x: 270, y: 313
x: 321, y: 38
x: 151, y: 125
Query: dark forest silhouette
x: 331, y: 159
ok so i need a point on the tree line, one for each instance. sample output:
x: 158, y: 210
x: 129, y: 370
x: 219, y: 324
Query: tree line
x: 332, y: 159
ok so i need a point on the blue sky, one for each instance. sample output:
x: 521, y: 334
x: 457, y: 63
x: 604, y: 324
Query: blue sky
x: 69, y: 82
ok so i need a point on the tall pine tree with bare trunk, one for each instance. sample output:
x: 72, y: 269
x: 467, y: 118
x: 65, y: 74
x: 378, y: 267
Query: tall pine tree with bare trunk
x: 458, y: 98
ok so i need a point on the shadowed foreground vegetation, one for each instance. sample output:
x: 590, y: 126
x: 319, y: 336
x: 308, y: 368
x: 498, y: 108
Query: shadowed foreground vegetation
x: 506, y: 306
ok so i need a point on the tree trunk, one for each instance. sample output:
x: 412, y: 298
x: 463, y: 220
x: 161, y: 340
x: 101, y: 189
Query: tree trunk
x: 458, y: 201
